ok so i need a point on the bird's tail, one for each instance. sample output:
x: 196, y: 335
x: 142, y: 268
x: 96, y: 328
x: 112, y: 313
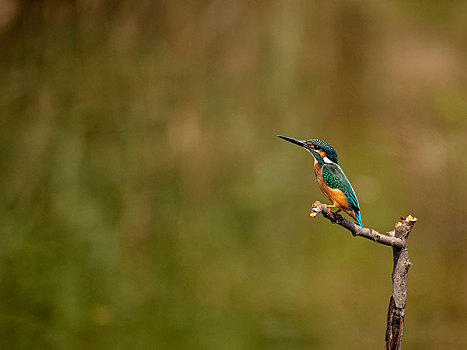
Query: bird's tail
x: 359, y: 218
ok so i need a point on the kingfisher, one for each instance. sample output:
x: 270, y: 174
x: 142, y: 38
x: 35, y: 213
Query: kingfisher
x: 331, y: 179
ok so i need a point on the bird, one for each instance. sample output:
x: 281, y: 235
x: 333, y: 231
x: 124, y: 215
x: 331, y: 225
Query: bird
x: 330, y: 177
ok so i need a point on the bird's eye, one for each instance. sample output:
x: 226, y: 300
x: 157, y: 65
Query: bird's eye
x: 317, y: 147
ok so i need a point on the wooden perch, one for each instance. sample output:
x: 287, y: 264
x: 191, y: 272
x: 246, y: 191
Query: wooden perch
x: 398, y: 240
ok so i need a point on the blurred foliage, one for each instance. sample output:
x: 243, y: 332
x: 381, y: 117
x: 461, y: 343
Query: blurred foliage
x: 146, y: 202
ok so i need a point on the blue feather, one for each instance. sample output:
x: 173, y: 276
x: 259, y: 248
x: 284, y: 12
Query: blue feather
x: 359, y: 218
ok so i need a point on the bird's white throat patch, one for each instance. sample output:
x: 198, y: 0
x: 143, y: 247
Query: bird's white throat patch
x: 312, y: 155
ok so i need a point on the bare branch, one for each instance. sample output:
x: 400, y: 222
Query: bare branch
x: 397, y: 239
x: 356, y: 230
x: 396, y: 310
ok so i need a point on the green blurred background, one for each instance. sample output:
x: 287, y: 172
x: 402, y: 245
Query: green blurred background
x: 146, y: 202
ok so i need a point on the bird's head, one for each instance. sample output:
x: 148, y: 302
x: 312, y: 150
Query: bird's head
x: 318, y: 148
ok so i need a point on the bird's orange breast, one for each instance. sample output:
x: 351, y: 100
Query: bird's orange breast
x: 336, y: 196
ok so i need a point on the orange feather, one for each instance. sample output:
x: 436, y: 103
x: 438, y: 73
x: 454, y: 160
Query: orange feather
x: 336, y: 196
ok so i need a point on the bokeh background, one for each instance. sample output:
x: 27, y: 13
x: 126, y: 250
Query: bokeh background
x: 146, y: 202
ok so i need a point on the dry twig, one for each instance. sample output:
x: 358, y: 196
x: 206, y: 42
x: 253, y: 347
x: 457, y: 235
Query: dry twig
x: 398, y: 240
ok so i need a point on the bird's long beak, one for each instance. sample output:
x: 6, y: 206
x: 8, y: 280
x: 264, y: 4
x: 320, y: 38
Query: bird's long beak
x: 295, y: 141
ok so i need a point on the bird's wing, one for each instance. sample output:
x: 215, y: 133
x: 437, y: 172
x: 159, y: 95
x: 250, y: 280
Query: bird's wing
x: 334, y: 177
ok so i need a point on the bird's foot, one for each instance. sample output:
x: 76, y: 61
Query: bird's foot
x: 332, y: 207
x: 321, y: 208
